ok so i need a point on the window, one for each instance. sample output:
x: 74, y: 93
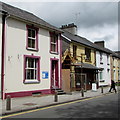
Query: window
x: 88, y: 53
x: 31, y: 69
x: 74, y: 51
x: 108, y: 60
x: 32, y: 38
x: 101, y: 58
x: 54, y: 43
x: 101, y: 76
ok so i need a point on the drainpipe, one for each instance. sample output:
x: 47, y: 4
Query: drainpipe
x: 4, y: 16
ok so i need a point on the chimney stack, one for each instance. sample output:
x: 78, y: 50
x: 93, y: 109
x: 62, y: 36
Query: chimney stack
x: 72, y: 28
x: 100, y: 43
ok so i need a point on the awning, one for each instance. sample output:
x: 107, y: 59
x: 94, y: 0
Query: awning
x: 87, y: 66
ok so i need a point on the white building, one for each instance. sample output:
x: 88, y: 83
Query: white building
x: 0, y: 45
x: 103, y: 62
x: 32, y: 51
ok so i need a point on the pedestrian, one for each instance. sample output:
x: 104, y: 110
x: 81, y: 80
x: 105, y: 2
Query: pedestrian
x: 112, y: 86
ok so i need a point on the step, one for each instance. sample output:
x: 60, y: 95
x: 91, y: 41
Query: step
x: 61, y: 93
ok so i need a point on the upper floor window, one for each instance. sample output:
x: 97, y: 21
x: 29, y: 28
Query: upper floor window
x: 108, y: 60
x: 74, y: 51
x: 88, y: 53
x: 101, y: 58
x: 53, y: 42
x: 32, y: 38
x: 31, y: 69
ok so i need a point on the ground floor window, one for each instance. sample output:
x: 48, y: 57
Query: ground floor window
x: 31, y: 69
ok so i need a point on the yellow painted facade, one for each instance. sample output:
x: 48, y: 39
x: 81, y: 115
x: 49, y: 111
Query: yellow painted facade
x: 81, y: 52
x: 115, y: 68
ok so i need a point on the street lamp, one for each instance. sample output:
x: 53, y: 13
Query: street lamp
x: 82, y: 88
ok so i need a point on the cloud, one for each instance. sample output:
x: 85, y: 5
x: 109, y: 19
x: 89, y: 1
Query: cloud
x: 95, y: 20
x: 108, y: 33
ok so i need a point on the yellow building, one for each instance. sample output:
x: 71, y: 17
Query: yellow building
x: 115, y: 67
x: 79, y: 59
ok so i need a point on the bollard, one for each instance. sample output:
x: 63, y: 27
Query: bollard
x: 56, y: 97
x: 82, y: 92
x: 102, y: 89
x: 8, y: 102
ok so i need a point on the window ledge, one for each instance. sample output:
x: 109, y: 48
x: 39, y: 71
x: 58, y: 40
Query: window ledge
x: 30, y: 49
x: 88, y: 60
x: 57, y: 53
x: 102, y: 80
x: 31, y: 81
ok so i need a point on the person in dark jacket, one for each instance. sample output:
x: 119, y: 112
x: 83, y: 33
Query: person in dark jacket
x: 112, y: 86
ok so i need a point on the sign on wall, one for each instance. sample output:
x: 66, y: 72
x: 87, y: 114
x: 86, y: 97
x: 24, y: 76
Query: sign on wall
x: 45, y: 75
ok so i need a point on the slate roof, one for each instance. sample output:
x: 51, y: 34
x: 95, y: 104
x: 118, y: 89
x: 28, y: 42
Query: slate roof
x: 27, y: 16
x: 86, y: 42
x: 85, y: 65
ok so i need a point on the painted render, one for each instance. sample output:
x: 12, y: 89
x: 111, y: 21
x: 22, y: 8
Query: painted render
x: 14, y: 61
x: 106, y: 69
x: 81, y: 51
x: 115, y: 68
x: 0, y: 47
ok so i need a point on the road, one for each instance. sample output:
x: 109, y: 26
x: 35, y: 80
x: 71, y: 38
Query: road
x: 100, y: 107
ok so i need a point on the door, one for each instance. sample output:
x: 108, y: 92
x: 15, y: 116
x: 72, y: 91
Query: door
x: 80, y: 81
x: 54, y: 74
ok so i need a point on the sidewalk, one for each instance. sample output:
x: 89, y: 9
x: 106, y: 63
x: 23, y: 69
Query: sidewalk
x: 32, y: 102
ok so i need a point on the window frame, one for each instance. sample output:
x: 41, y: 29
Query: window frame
x: 36, y: 38
x: 88, y: 50
x: 101, y: 58
x: 27, y: 81
x: 53, y: 34
x: 75, y: 51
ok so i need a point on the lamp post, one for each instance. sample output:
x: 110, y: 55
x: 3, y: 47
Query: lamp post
x: 82, y: 88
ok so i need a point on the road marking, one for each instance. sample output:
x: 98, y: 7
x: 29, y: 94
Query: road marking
x: 30, y: 111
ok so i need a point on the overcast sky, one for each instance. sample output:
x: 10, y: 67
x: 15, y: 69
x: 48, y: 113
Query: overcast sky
x: 96, y: 21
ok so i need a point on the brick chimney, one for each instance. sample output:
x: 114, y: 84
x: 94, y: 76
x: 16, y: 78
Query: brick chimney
x: 100, y: 43
x: 72, y: 28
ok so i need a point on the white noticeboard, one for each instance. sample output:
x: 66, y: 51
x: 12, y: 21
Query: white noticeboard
x: 94, y: 87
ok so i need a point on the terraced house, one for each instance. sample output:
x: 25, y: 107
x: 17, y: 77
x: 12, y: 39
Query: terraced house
x: 103, y: 60
x: 78, y: 61
x: 31, y: 51
x: 115, y: 67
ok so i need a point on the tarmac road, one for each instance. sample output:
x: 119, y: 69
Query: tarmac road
x: 100, y: 107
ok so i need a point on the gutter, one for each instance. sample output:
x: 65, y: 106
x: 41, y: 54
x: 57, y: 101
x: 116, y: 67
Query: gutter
x: 4, y: 16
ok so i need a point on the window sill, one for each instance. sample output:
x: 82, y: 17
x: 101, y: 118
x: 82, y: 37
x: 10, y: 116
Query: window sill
x: 31, y: 82
x: 88, y: 60
x: 30, y: 49
x: 56, y: 53
x: 102, y: 80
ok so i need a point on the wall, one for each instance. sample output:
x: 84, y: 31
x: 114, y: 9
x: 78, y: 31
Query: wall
x: 15, y: 51
x: 81, y: 50
x: 106, y: 65
x: 0, y: 48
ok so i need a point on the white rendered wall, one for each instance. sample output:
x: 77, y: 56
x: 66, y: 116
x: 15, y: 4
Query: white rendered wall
x: 15, y: 51
x: 105, y: 66
x: 0, y: 48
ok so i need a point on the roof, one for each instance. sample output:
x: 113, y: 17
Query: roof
x: 27, y: 16
x: 85, y: 65
x: 86, y: 42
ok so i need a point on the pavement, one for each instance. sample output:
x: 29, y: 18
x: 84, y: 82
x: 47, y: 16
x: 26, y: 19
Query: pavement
x: 33, y: 102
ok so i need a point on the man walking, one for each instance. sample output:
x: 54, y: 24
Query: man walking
x: 112, y: 86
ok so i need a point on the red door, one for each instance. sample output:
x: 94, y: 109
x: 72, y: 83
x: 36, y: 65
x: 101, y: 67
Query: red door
x: 54, y: 74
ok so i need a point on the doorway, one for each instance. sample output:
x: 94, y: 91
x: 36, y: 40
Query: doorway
x: 80, y: 81
x: 54, y: 74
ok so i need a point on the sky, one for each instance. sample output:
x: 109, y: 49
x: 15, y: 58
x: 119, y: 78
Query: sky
x: 96, y: 20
